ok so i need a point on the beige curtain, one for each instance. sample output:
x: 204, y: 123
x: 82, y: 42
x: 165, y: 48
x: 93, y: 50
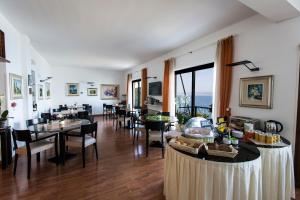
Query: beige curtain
x: 168, y: 87
x: 223, y: 77
x: 144, y: 88
x: 129, y: 92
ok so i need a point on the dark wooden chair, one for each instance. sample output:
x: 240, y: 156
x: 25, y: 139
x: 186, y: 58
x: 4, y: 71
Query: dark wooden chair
x: 31, y: 147
x: 86, y: 137
x: 83, y: 115
x: 46, y: 116
x: 109, y: 111
x: 138, y: 127
x: 104, y: 110
x: 155, y: 128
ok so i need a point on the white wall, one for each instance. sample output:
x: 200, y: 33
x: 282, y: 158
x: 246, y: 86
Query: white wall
x: 271, y: 46
x: 20, y: 52
x: 63, y: 75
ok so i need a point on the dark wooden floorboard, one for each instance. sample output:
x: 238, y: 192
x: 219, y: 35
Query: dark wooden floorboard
x: 122, y: 172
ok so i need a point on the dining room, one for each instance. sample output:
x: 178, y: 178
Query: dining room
x: 189, y: 100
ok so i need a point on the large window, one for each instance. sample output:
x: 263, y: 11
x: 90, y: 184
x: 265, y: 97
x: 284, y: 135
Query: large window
x: 136, y: 94
x: 194, y: 88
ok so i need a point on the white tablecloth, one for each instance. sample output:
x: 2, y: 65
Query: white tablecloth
x: 188, y: 178
x: 277, y: 173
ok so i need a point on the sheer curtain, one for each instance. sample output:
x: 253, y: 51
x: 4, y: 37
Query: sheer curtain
x: 223, y: 77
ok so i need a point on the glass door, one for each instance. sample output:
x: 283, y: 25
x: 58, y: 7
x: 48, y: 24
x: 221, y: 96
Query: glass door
x: 136, y: 94
x: 193, y: 90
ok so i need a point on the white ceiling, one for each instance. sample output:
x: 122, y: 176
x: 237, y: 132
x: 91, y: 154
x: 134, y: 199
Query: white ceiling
x: 116, y: 34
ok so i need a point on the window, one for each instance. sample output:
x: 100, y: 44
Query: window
x: 136, y: 94
x: 193, y: 89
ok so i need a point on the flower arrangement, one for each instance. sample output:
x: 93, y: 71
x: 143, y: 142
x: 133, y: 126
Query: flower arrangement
x: 13, y: 104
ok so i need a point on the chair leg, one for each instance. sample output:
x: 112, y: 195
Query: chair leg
x: 95, y: 146
x: 38, y: 157
x: 56, y: 149
x: 15, y: 163
x: 134, y: 133
x: 83, y: 157
x: 147, y: 143
x: 28, y: 165
x: 162, y: 144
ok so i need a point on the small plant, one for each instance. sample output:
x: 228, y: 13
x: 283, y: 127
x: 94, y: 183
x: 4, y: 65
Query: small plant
x: 202, y: 115
x: 183, y: 118
x: 4, y: 115
x: 3, y: 119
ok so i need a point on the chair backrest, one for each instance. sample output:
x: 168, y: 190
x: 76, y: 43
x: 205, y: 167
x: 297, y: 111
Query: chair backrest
x: 155, y: 125
x: 164, y: 113
x: 85, y: 106
x: 46, y: 116
x: 108, y: 107
x: 22, y: 136
x: 122, y: 112
x: 83, y: 115
x: 42, y: 120
x: 144, y: 111
x: 89, y: 129
x: 56, y: 110
x: 31, y: 122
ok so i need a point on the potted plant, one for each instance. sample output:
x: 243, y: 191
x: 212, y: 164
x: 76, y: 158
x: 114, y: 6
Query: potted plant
x: 3, y: 119
x: 182, y: 119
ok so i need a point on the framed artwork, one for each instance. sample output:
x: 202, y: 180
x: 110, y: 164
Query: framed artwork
x: 16, y: 86
x: 40, y: 92
x: 109, y: 91
x: 47, y: 90
x: 2, y: 103
x: 92, y: 92
x: 256, y: 92
x: 72, y: 89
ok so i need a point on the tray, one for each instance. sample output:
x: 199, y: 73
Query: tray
x: 278, y: 144
x: 214, y: 152
x: 185, y: 148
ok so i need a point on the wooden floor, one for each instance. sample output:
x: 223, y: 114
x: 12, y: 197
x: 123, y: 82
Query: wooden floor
x: 122, y: 172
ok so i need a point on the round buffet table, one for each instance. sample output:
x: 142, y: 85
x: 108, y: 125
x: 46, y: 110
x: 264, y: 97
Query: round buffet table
x: 277, y: 172
x: 188, y: 177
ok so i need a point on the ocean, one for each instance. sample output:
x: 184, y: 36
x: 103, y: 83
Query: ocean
x: 202, y: 100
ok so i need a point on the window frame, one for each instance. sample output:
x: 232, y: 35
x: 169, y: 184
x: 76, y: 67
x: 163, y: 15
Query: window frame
x: 193, y: 70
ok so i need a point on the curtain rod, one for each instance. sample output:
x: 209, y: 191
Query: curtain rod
x: 205, y: 46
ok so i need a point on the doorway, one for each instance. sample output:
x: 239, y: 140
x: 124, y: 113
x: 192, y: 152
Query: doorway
x: 136, y: 93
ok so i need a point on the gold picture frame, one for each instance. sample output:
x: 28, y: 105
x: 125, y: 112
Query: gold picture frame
x: 40, y: 92
x: 109, y: 92
x: 16, y: 86
x: 72, y: 89
x: 257, y: 92
x: 92, y: 91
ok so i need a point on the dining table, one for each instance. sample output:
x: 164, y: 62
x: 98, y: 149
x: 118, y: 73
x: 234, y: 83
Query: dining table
x: 167, y: 120
x: 61, y: 127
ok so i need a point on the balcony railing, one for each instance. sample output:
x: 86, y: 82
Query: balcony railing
x: 199, y: 110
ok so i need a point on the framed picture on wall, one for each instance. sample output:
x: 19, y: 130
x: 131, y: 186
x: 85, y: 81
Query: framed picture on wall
x: 47, y: 90
x: 40, y: 92
x: 92, y: 92
x: 109, y: 92
x: 16, y: 86
x: 72, y: 89
x: 256, y: 92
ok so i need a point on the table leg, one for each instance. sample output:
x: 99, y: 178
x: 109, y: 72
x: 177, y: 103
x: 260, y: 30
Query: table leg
x: 147, y: 142
x: 3, y: 150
